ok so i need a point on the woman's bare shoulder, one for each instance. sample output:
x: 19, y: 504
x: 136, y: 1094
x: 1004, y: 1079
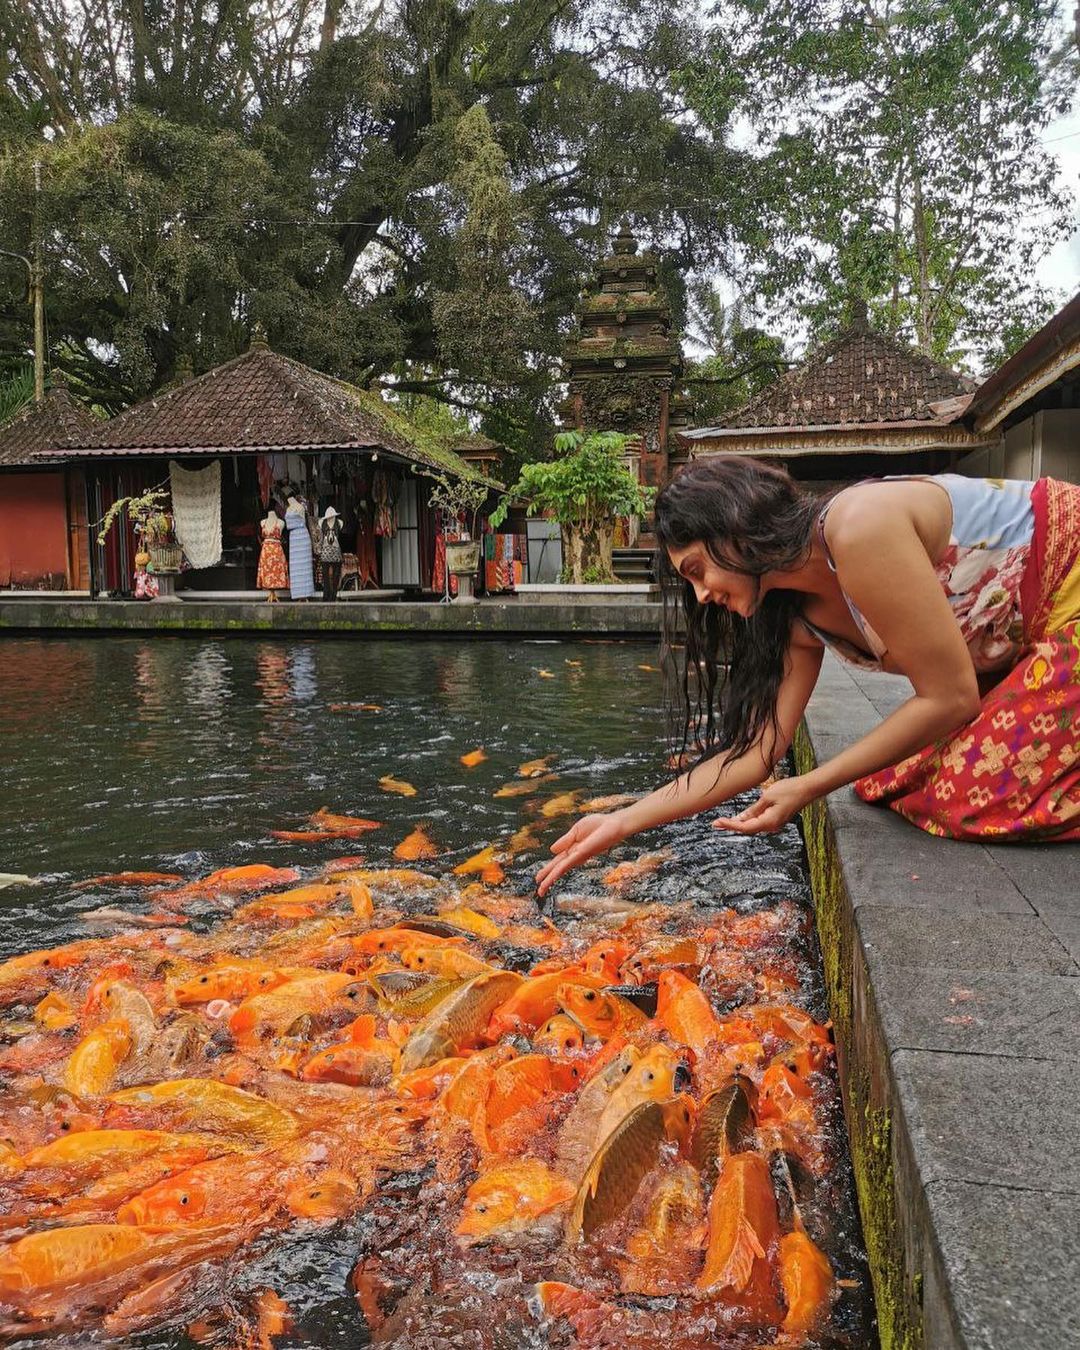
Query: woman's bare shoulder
x: 867, y: 512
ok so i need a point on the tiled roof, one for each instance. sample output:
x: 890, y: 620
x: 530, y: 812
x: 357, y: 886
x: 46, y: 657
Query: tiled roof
x: 264, y: 401
x: 43, y: 426
x: 859, y: 377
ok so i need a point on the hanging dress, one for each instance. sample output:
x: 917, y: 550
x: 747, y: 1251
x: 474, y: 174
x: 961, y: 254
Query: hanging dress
x: 301, y: 571
x: 273, y: 573
x: 1011, y: 573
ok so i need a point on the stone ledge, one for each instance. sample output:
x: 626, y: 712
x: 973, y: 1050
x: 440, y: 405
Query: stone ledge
x: 953, y: 979
x: 630, y: 618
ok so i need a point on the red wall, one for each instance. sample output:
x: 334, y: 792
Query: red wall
x: 33, y: 530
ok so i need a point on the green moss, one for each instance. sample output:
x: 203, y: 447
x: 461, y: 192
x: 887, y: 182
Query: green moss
x: 869, y: 1123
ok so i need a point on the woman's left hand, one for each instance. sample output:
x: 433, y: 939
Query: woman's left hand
x: 773, y: 809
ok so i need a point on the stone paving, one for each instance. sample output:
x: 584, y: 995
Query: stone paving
x: 965, y: 997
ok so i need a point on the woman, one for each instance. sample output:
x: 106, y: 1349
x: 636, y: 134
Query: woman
x: 969, y: 587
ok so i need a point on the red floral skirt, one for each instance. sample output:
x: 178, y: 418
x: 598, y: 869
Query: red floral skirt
x: 1013, y: 773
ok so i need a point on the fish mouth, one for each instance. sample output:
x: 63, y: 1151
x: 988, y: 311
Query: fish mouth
x: 682, y: 1079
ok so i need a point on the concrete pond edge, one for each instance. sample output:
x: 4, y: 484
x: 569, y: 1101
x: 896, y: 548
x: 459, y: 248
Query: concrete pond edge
x: 953, y: 984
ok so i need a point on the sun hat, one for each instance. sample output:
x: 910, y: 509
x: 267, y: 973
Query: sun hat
x: 329, y: 513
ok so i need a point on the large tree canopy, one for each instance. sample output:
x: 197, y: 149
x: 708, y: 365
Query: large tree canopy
x: 404, y: 191
x: 897, y: 158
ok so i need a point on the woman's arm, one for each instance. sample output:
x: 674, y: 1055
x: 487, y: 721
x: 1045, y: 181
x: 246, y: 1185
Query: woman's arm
x: 707, y: 785
x: 882, y: 563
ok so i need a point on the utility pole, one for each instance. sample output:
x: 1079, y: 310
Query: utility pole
x: 37, y: 286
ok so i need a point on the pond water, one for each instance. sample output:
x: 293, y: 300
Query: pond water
x: 181, y: 755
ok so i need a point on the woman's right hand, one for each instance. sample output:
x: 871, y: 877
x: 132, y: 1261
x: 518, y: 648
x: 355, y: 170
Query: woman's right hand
x: 589, y: 836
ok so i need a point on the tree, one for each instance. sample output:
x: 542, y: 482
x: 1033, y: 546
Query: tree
x: 362, y: 181
x: 743, y: 358
x: 584, y: 488
x: 900, y: 158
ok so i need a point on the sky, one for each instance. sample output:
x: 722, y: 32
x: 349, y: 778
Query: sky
x: 1061, y: 266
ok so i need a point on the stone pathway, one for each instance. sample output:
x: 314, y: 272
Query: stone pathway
x: 963, y: 1054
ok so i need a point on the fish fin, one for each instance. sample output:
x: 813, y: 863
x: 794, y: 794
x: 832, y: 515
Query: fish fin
x: 362, y: 1031
x: 740, y: 1263
x: 397, y: 1032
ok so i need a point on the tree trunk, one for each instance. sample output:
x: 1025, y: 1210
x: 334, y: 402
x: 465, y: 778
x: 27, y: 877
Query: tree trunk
x: 587, y: 554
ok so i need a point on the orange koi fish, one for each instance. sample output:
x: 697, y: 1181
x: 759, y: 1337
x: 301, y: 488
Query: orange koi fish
x: 622, y: 1162
x: 471, y: 921
x: 404, y: 878
x: 562, y: 805
x: 313, y: 836
x: 212, y: 1191
x: 390, y: 784
x: 315, y: 995
x: 523, y: 789
x: 459, y: 1021
x: 416, y: 847
x: 93, y: 1064
x: 684, y: 1012
x: 473, y: 758
x: 512, y: 1198
x: 601, y: 1014
x: 611, y: 803
x: 671, y: 1232
x: 654, y: 1078
x: 808, y: 1284
x: 333, y: 1196
x: 480, y: 862
x: 536, y: 1000
x: 744, y: 1232
x: 518, y: 1087
x: 432, y: 1080
x: 446, y: 963
x: 86, y: 1154
x: 577, y: 1134
x: 684, y: 954
x: 560, y: 1035
x: 380, y: 941
x: 232, y: 981
x: 55, y: 1012
x: 300, y: 902
x: 326, y: 820
x: 355, y: 707
x: 625, y: 872
x: 212, y: 1105
x: 535, y: 768
x: 129, y: 879
x: 468, y: 1087
x: 253, y: 877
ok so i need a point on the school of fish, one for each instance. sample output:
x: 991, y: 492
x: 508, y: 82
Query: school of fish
x: 607, y: 1124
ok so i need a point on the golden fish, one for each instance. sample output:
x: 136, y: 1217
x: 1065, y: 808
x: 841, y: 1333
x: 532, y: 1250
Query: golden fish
x: 808, y: 1283
x: 390, y: 784
x: 523, y: 789
x: 623, y: 1161
x: 652, y: 1079
x: 534, y: 768
x: 560, y: 806
x: 416, y: 847
x: 406, y: 878
x: 602, y: 1014
x: 479, y: 862
x: 560, y: 1034
x: 623, y: 873
x: 130, y: 879
x: 55, y: 1012
x: 471, y: 921
x: 576, y: 1142
x: 659, y: 1252
x: 327, y: 820
x: 214, y: 1106
x: 93, y: 1064
x: 611, y: 803
x: 473, y: 758
x: 447, y: 963
x: 459, y: 1021
x: 725, y: 1125
x: 545, y: 674
x: 743, y: 1233
x: 511, y: 1198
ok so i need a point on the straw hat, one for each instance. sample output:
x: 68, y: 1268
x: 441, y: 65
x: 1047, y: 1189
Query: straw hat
x: 329, y: 513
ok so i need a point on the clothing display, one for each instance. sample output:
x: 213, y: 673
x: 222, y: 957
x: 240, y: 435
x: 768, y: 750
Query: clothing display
x: 301, y: 572
x: 146, y: 584
x: 273, y: 573
x: 329, y: 541
x: 384, y: 491
x: 196, y: 508
x: 1012, y: 575
x: 438, y: 573
x: 504, y: 561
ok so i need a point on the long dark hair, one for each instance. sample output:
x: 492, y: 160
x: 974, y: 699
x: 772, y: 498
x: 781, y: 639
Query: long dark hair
x: 752, y: 518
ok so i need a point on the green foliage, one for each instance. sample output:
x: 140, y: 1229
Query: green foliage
x: 412, y: 186
x: 899, y: 159
x: 16, y: 391
x: 148, y: 514
x: 585, y: 486
x: 744, y: 359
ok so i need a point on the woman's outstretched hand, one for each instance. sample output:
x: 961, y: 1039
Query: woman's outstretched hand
x: 773, y: 809
x: 589, y: 836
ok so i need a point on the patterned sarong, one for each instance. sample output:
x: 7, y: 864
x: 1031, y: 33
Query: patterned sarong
x: 1013, y: 773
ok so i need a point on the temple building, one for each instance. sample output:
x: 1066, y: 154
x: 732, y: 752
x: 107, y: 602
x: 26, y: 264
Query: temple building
x: 623, y: 363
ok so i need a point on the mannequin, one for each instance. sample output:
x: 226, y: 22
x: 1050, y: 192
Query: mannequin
x: 301, y: 572
x: 330, y: 527
x: 273, y: 574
